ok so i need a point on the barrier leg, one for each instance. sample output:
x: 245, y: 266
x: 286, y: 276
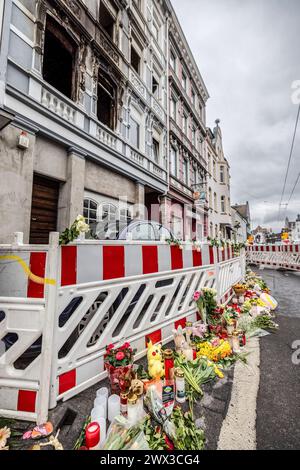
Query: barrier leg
x: 48, y: 334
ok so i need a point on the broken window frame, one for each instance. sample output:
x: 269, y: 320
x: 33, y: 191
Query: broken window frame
x: 70, y: 44
x: 111, y: 91
x: 105, y: 5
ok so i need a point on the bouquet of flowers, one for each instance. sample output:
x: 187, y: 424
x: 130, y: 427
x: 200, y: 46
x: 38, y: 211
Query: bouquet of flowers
x: 206, y: 303
x: 230, y: 315
x: 118, y: 362
x: 70, y: 234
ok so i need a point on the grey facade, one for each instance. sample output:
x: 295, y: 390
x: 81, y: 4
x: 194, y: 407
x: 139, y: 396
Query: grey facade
x: 97, y: 126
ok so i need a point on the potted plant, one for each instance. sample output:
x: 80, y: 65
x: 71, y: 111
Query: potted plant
x: 118, y: 362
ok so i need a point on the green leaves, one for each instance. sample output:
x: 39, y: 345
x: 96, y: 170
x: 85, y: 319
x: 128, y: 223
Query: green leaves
x: 188, y: 437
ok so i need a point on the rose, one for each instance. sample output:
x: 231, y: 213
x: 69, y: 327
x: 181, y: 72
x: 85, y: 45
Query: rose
x: 197, y: 296
x: 82, y: 226
x: 110, y: 347
x: 125, y: 346
x: 120, y: 356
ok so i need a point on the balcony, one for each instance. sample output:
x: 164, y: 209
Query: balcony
x: 176, y: 183
x: 158, y: 109
x: 57, y: 105
x: 138, y: 84
x: 146, y: 163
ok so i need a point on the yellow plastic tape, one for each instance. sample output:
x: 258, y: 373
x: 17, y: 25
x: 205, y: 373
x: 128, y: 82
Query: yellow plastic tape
x: 31, y: 276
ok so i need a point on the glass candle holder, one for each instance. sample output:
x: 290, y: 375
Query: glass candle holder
x: 102, y: 424
x: 97, y: 413
x: 113, y: 407
x: 103, y: 391
x: 101, y: 401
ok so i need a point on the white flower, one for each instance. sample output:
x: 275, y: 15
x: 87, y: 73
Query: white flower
x: 4, y: 435
x: 80, y: 218
x: 82, y: 226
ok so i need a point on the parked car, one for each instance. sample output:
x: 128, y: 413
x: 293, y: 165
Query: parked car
x: 138, y: 230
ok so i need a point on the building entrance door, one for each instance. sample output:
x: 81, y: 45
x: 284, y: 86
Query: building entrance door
x: 44, y: 206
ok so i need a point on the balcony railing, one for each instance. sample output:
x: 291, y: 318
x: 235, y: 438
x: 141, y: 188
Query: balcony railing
x: 106, y: 138
x: 58, y: 106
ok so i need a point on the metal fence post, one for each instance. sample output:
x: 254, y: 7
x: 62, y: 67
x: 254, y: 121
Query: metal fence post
x: 48, y: 330
x: 243, y: 262
x: 217, y: 273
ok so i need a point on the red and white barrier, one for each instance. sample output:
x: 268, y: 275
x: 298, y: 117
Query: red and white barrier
x: 275, y: 256
x: 99, y: 293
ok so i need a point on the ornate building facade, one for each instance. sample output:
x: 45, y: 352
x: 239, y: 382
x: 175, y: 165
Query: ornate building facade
x: 84, y: 84
x: 187, y: 133
x: 103, y: 112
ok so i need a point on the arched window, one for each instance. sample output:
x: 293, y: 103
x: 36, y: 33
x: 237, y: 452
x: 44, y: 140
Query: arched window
x: 109, y: 212
x: 125, y: 215
x: 90, y: 208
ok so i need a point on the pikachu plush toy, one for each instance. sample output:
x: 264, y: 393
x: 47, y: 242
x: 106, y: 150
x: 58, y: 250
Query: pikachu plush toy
x: 155, y: 361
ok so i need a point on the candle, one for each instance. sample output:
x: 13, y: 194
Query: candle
x: 102, y: 424
x: 235, y: 342
x: 132, y: 409
x: 180, y: 386
x: 169, y: 364
x: 123, y: 403
x: 101, y: 402
x: 140, y: 403
x: 103, y: 391
x: 92, y: 436
x: 113, y: 407
x: 97, y: 413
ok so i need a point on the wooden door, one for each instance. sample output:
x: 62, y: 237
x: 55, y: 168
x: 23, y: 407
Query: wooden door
x: 43, y: 209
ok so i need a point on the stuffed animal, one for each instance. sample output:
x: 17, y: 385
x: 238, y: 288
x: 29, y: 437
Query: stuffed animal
x: 155, y: 362
x: 199, y: 330
x: 181, y: 345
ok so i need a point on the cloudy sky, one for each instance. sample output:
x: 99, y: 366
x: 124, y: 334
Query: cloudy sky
x: 248, y: 52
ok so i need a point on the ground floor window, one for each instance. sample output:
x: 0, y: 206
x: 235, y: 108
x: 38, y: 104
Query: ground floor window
x: 90, y: 208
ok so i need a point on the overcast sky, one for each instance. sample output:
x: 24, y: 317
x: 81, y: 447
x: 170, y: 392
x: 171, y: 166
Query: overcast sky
x: 248, y: 52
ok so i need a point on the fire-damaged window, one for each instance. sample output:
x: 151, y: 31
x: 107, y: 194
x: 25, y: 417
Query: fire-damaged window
x: 107, y: 20
x: 59, y: 57
x: 107, y: 98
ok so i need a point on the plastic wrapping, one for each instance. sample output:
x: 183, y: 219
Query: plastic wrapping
x: 122, y: 436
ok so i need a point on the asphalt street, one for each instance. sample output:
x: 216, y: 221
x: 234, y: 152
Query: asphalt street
x: 278, y: 402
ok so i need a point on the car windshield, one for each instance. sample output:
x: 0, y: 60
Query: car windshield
x: 108, y: 230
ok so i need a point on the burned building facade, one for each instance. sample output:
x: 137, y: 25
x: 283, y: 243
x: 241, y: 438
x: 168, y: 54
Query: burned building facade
x: 83, y: 111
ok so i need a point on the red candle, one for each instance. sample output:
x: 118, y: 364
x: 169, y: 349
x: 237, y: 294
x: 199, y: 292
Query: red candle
x: 92, y: 436
x: 169, y: 364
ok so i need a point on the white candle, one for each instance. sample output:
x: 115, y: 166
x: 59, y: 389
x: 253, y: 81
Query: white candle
x: 102, y: 424
x: 103, y: 391
x: 101, y: 401
x: 113, y: 407
x: 98, y: 412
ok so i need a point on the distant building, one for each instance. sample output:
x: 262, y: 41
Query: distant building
x: 260, y: 234
x: 240, y: 224
x: 272, y: 238
x: 219, y: 214
x: 293, y: 228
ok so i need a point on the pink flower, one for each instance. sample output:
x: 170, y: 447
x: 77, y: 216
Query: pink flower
x: 125, y: 346
x: 120, y: 356
x: 197, y: 296
x: 110, y: 347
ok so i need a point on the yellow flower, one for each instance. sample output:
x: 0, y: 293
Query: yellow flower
x: 218, y: 372
x: 4, y: 435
